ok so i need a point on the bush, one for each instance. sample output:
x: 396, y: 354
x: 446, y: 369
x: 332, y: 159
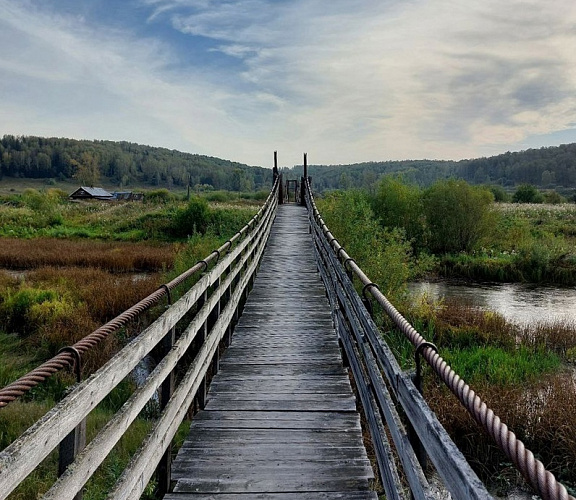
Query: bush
x: 458, y: 215
x: 383, y: 254
x: 159, y: 196
x: 194, y: 218
x: 221, y: 196
x: 16, y: 307
x: 553, y: 197
x: 398, y: 205
x: 500, y: 195
x: 526, y: 193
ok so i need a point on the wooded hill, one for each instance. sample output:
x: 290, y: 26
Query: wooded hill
x: 549, y: 168
x: 124, y: 164
x: 128, y: 164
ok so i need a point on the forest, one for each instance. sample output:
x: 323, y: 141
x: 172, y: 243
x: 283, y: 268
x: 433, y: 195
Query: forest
x: 127, y: 164
x: 547, y: 168
x: 124, y: 164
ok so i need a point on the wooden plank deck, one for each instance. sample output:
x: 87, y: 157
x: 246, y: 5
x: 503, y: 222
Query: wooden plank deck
x: 280, y: 421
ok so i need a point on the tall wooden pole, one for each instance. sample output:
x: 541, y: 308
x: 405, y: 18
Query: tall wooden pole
x: 303, y: 181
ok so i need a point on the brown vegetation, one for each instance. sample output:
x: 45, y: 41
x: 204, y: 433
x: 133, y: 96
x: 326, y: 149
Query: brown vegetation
x: 118, y: 257
x: 541, y: 414
x: 76, y: 301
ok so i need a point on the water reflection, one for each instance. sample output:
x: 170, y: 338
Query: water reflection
x: 518, y: 302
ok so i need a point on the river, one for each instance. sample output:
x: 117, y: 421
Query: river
x: 520, y: 303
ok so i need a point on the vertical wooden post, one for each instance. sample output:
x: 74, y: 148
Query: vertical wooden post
x: 275, y: 169
x: 281, y: 190
x: 75, y: 441
x: 70, y: 446
x: 163, y: 471
x: 202, y: 334
x: 303, y: 181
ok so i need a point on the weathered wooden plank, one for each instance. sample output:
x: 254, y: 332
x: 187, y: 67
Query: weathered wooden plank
x: 266, y: 451
x: 288, y: 369
x: 280, y: 416
x: 276, y: 420
x: 214, y: 468
x: 319, y: 495
x: 262, y: 484
x: 278, y: 386
x: 284, y: 405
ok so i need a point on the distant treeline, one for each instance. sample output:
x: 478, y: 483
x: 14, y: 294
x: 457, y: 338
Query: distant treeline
x: 124, y: 164
x: 548, y: 168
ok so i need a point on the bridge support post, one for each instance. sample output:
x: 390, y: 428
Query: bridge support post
x: 163, y: 471
x: 303, y: 181
x: 74, y: 442
x: 202, y: 334
x: 213, y: 319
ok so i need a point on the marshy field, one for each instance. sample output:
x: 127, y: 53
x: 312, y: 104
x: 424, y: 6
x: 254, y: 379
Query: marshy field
x: 67, y: 268
x: 525, y: 372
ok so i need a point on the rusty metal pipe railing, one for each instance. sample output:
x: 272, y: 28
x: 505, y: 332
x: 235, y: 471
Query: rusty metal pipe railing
x: 66, y: 359
x: 533, y: 470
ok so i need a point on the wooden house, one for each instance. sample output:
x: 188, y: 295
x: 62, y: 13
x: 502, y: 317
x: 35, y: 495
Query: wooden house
x: 91, y: 193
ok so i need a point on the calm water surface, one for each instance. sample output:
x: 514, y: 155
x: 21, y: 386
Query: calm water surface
x: 520, y: 303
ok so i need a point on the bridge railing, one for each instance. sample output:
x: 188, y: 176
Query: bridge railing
x: 386, y: 391
x: 213, y: 305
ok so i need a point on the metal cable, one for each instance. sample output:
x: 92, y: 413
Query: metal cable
x: 533, y: 470
x: 65, y: 359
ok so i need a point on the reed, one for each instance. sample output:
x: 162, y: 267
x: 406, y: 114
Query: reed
x: 118, y: 257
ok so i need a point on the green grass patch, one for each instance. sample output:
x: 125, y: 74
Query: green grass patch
x: 497, y: 366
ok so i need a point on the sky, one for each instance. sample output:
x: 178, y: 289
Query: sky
x: 344, y: 80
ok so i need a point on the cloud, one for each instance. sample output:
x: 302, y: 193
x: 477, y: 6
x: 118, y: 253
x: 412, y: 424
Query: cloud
x: 349, y: 80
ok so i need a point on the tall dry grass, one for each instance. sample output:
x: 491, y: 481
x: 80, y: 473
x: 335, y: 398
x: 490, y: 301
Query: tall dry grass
x: 542, y: 414
x: 75, y: 302
x: 116, y: 256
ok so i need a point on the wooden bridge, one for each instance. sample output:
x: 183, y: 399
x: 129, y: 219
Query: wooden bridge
x: 252, y: 354
x: 280, y: 419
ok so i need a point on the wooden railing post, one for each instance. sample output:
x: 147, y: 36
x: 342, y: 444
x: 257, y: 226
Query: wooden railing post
x: 303, y: 182
x: 75, y: 441
x: 281, y: 190
x: 163, y: 471
x: 202, y: 334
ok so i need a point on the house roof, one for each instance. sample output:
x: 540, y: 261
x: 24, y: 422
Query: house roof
x: 95, y: 192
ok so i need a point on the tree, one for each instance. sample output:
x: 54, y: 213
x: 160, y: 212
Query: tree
x: 457, y: 214
x: 527, y: 193
x: 87, y: 171
x: 399, y: 205
x: 500, y: 195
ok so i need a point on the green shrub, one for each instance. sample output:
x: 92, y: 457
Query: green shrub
x: 383, y: 254
x: 526, y: 193
x: 159, y: 196
x: 16, y: 307
x: 220, y: 196
x: 399, y: 205
x: 192, y: 219
x: 458, y: 215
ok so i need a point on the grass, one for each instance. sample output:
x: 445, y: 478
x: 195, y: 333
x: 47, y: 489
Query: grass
x: 498, y: 366
x: 67, y: 268
x: 530, y: 243
x: 522, y: 373
x: 111, y: 256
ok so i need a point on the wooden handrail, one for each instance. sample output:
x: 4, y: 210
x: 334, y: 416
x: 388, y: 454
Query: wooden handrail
x: 227, y: 282
x: 383, y: 386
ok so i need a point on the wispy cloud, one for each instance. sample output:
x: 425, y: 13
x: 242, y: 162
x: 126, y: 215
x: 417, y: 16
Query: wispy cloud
x: 347, y: 80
